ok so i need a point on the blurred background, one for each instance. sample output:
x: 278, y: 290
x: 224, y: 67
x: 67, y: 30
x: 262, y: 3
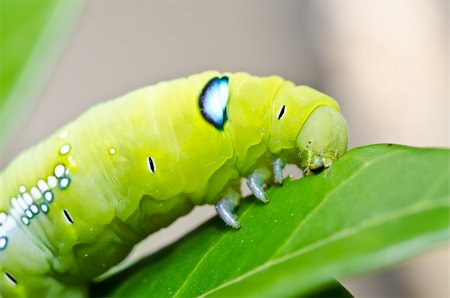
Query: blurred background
x: 385, y: 61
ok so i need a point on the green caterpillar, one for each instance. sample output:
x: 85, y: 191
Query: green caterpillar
x: 74, y: 205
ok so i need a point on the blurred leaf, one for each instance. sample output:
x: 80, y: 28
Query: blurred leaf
x: 376, y: 206
x: 31, y: 35
x: 334, y: 289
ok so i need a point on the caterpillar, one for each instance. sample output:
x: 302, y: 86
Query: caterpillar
x: 75, y: 204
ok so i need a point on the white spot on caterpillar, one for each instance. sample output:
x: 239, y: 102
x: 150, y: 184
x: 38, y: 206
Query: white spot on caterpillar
x: 52, y: 181
x: 22, y: 203
x: 112, y: 151
x: 28, y: 199
x: 3, y: 242
x: 35, y: 193
x: 71, y: 161
x: 28, y: 213
x: 25, y: 220
x: 64, y: 134
x: 22, y: 189
x: 2, y: 218
x: 44, y: 208
x: 59, y: 171
x: 14, y: 203
x: 213, y: 101
x: 64, y: 149
x: 34, y: 209
x: 48, y: 196
x: 151, y: 164
x: 64, y: 182
x: 42, y: 185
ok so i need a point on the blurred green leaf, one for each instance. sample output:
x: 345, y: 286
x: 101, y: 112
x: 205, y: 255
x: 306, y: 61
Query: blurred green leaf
x: 333, y: 289
x: 376, y: 206
x: 31, y: 35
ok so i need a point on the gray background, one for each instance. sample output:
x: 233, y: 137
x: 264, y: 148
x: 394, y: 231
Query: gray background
x: 386, y: 62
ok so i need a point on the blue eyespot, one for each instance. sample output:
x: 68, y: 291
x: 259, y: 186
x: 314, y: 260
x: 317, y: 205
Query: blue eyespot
x: 213, y: 102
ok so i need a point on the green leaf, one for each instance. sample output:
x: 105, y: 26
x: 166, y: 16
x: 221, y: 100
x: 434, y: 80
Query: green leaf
x: 334, y: 289
x: 31, y: 35
x: 375, y: 207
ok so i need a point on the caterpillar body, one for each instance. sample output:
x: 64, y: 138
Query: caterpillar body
x: 74, y: 205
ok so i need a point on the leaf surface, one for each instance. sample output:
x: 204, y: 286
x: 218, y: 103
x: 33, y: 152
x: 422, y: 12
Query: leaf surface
x: 376, y: 206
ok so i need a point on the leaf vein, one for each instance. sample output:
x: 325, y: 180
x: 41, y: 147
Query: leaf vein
x: 203, y: 258
x: 328, y: 195
x: 370, y: 223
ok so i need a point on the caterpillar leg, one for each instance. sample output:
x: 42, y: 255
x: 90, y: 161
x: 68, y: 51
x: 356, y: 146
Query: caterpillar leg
x: 225, y: 207
x: 278, y: 167
x: 256, y: 182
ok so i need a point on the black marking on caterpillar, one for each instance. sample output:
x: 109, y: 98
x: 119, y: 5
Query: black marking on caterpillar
x: 151, y: 164
x: 67, y: 216
x: 281, y: 112
x: 10, y: 278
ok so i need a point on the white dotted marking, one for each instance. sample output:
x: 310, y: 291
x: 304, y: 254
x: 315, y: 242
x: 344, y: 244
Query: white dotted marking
x: 71, y: 160
x: 14, y: 203
x: 25, y: 220
x: 22, y: 189
x: 64, y: 134
x: 3, y: 242
x: 10, y: 224
x: 44, y: 208
x: 28, y: 199
x: 48, y: 196
x: 34, y: 209
x: 22, y: 203
x: 3, y: 217
x: 64, y: 149
x: 28, y: 213
x: 35, y: 193
x: 52, y: 181
x: 112, y: 151
x: 59, y: 171
x: 42, y: 185
x: 64, y: 183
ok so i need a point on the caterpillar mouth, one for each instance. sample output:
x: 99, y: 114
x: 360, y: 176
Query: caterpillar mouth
x: 318, y: 170
x: 312, y: 162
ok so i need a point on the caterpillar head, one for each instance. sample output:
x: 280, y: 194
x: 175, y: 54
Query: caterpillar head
x: 322, y: 139
x: 308, y: 129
